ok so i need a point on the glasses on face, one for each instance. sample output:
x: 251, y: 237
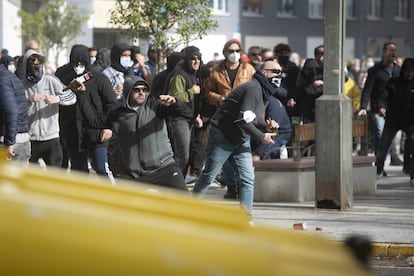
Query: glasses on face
x: 275, y: 71
x: 195, y: 58
x: 139, y: 89
x: 255, y: 54
x: 233, y: 51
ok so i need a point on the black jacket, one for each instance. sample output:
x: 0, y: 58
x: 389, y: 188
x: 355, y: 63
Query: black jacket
x: 375, y: 83
x: 13, y: 106
x: 81, y: 124
x: 398, y: 99
x: 247, y: 96
x: 142, y: 133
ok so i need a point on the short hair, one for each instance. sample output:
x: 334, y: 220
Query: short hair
x: 386, y: 44
x: 281, y: 47
x: 254, y: 48
x: 316, y: 50
x: 231, y: 41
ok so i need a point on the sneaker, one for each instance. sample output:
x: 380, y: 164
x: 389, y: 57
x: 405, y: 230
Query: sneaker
x: 396, y: 162
x: 232, y: 193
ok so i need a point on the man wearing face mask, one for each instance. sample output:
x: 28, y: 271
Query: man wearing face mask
x: 9, y: 62
x: 290, y: 74
x: 44, y: 94
x: 224, y: 77
x: 85, y: 126
x: 121, y: 67
x: 230, y: 134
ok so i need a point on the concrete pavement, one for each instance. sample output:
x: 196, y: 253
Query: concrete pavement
x: 386, y: 218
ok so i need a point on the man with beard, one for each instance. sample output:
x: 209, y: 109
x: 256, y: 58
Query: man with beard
x: 146, y: 152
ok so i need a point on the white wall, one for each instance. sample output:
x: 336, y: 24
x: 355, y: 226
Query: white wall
x: 10, y: 35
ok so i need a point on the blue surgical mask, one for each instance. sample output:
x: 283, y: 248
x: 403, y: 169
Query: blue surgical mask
x: 126, y: 62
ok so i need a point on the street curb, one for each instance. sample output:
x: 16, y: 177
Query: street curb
x: 391, y: 250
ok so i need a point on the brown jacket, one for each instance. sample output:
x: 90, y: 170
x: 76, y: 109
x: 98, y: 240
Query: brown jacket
x: 218, y: 84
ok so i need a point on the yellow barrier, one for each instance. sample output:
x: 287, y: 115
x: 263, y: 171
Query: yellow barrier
x: 54, y: 223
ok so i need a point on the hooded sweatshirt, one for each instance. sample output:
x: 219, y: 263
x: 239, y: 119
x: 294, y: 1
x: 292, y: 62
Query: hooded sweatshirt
x: 116, y: 73
x: 398, y: 98
x: 44, y: 118
x: 142, y: 133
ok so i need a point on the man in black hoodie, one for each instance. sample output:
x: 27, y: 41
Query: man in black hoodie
x: 183, y: 85
x: 230, y: 132
x: 85, y: 128
x: 396, y: 105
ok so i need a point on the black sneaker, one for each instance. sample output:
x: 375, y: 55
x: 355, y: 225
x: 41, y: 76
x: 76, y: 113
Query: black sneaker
x: 396, y: 162
x: 232, y: 193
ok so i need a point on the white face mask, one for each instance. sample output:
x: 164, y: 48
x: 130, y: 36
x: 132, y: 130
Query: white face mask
x: 79, y: 69
x: 11, y: 68
x: 125, y: 62
x: 92, y: 60
x: 233, y: 57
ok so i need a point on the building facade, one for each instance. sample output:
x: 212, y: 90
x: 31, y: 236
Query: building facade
x: 369, y: 23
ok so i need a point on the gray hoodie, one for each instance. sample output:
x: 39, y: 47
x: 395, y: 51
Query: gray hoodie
x: 44, y: 118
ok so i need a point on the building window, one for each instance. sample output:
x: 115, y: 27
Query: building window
x: 219, y: 6
x: 375, y: 9
x: 402, y: 12
x: 286, y: 8
x: 252, y: 8
x: 350, y: 9
x: 316, y: 9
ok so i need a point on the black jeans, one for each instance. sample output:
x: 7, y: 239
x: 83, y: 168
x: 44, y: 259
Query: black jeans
x: 385, y: 143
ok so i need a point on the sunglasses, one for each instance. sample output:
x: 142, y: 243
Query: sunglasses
x: 140, y: 89
x: 276, y: 71
x: 195, y: 58
x: 255, y: 54
x: 233, y: 51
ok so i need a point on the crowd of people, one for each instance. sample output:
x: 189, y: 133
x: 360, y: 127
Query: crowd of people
x: 115, y: 110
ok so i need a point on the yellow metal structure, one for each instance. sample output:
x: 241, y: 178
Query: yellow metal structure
x: 55, y: 223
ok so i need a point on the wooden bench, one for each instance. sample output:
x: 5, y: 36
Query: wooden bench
x: 288, y: 180
x: 306, y: 132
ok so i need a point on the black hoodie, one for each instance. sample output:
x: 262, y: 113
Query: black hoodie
x: 398, y: 98
x: 116, y: 53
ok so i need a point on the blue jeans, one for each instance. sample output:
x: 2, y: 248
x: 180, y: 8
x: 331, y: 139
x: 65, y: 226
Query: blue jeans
x: 378, y: 128
x: 218, y: 150
x: 272, y: 151
x: 99, y: 160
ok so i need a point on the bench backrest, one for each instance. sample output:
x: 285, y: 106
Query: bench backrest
x: 306, y: 132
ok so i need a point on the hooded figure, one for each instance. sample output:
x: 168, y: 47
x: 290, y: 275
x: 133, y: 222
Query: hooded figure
x: 140, y: 126
x: 161, y: 79
x: 310, y: 87
x: 397, y: 105
x: 44, y: 94
x: 103, y: 60
x: 121, y: 66
x: 84, y: 126
x: 183, y: 85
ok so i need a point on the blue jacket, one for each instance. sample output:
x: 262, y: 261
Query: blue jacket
x: 13, y: 106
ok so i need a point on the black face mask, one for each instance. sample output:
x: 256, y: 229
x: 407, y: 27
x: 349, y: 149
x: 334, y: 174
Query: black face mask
x: 283, y: 60
x: 34, y: 73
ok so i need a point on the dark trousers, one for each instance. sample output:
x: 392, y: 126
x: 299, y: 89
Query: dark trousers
x: 198, y: 149
x: 50, y: 151
x: 385, y: 143
x: 168, y: 176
